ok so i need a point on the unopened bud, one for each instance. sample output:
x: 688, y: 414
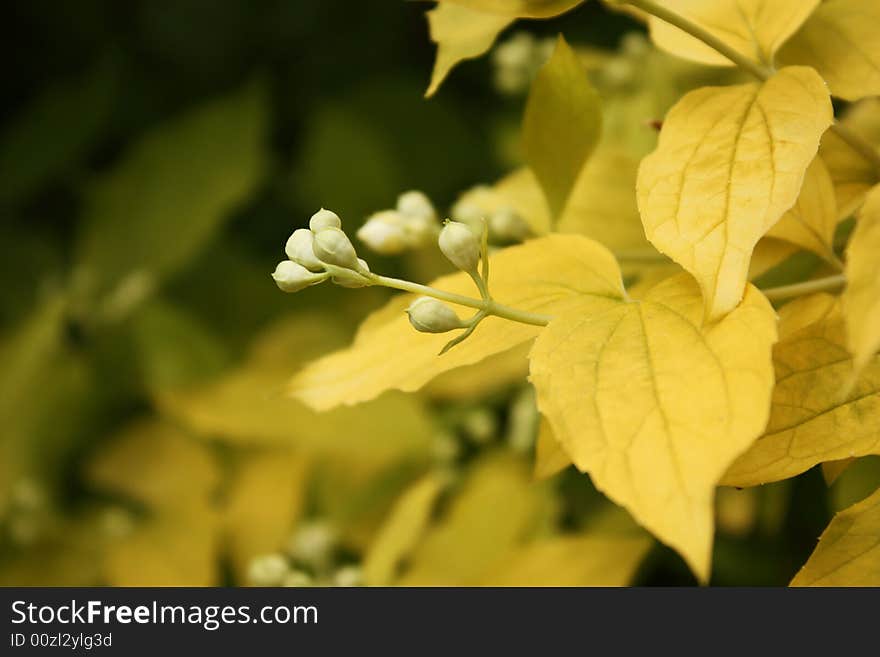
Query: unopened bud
x: 299, y: 248
x: 460, y: 245
x: 297, y: 579
x: 385, y: 233
x: 292, y: 277
x: 333, y: 247
x: 348, y: 576
x: 324, y: 219
x: 416, y: 204
x: 428, y: 315
x: 506, y: 225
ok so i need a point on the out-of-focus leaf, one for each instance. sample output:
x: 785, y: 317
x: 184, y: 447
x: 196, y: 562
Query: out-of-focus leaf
x: 561, y: 125
x: 550, y: 458
x: 481, y: 379
x: 55, y: 130
x: 156, y: 464
x: 831, y: 470
x: 474, y: 534
x: 860, y: 478
x: 460, y: 33
x: 155, y: 209
x: 518, y: 8
x: 851, y: 173
x: 405, y: 525
x: 848, y: 553
x: 265, y: 500
x: 840, y: 41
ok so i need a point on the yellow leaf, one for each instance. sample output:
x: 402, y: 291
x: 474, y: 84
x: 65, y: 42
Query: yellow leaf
x: 550, y: 458
x: 265, y: 500
x: 808, y: 422
x: 561, y: 125
x: 755, y: 28
x: 248, y: 405
x: 545, y: 275
x: 481, y: 379
x: 460, y: 33
x: 156, y: 464
x: 518, y: 8
x: 831, y: 470
x: 655, y: 406
x: 848, y: 553
x: 861, y: 298
x: 840, y: 40
x: 171, y: 551
x: 852, y: 174
x: 811, y: 222
x: 729, y: 163
x: 405, y: 525
x: 474, y: 534
x: 768, y: 254
x: 590, y: 558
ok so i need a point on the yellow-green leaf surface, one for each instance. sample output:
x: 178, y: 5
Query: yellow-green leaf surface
x: 172, y: 189
x: 550, y: 458
x: 848, y: 553
x: 755, y: 28
x: 474, y: 534
x: 546, y: 275
x: 248, y: 405
x: 265, y: 499
x: 605, y: 555
x: 861, y: 298
x: 852, y: 174
x: 460, y: 33
x: 809, y: 423
x: 841, y: 41
x: 518, y: 8
x: 810, y: 223
x: 481, y: 379
x: 655, y: 406
x: 831, y: 470
x: 730, y: 162
x: 402, y: 530
x: 561, y: 125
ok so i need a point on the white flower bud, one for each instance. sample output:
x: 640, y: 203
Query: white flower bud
x: 332, y: 246
x: 416, y: 204
x: 460, y: 245
x: 267, y: 570
x: 292, y: 277
x: 324, y: 219
x: 299, y: 249
x: 421, y: 230
x: 313, y: 544
x: 297, y: 579
x: 348, y: 576
x: 385, y: 233
x: 428, y: 315
x: 506, y: 225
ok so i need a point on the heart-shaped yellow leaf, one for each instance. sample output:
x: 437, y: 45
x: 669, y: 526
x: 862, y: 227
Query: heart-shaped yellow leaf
x: 655, y: 406
x: 730, y: 162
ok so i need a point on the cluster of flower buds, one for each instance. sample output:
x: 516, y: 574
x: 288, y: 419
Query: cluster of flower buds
x: 517, y: 60
x: 319, y: 252
x: 411, y: 225
x: 506, y: 225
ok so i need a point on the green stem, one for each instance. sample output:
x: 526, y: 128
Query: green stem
x: 862, y: 147
x: 827, y: 284
x: 488, y: 306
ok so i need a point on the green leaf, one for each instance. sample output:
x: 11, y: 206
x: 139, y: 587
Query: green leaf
x: 561, y: 126
x: 655, y: 406
x: 840, y: 41
x: 729, y: 164
x: 152, y: 212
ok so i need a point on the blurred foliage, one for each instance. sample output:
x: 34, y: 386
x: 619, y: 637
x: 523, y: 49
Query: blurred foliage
x: 154, y: 157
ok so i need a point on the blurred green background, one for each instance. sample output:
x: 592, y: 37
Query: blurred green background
x: 154, y: 157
